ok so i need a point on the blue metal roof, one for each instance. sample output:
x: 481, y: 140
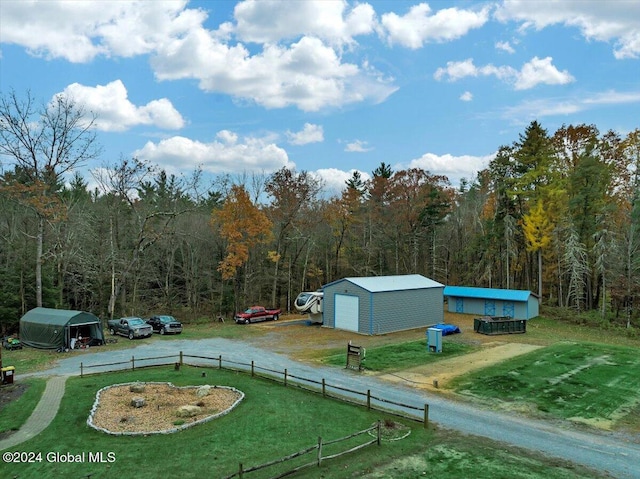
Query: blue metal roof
x: 376, y: 284
x: 487, y: 293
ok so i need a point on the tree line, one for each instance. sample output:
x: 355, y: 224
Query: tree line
x: 558, y: 214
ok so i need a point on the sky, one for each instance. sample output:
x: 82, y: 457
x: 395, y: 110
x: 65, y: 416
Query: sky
x: 329, y: 87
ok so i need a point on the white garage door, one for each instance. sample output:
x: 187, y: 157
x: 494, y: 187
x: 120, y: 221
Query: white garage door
x: 347, y: 308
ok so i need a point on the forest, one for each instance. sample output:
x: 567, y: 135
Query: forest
x: 557, y: 213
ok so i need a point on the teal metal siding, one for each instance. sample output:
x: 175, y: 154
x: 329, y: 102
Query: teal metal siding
x: 490, y: 307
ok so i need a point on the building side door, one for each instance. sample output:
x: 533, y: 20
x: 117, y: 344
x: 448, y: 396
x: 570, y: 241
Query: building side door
x: 489, y: 307
x: 508, y: 309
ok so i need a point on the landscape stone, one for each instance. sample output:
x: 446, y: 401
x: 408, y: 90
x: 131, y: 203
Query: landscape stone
x: 203, y: 391
x: 137, y: 388
x: 188, y: 410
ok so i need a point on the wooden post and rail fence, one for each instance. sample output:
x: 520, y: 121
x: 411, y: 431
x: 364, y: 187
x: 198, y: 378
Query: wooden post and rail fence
x: 322, y: 387
x: 370, y: 401
x: 318, y: 456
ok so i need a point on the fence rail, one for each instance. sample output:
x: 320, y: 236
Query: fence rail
x: 319, y: 457
x: 298, y: 381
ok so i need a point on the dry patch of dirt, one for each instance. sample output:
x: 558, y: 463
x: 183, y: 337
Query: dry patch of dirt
x: 114, y: 412
x: 438, y: 375
x: 11, y: 392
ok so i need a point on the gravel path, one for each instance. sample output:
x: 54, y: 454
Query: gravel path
x: 612, y: 453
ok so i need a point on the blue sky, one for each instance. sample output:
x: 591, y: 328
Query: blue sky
x: 329, y: 86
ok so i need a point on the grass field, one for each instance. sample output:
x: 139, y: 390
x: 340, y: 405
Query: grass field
x: 586, y: 382
x: 404, y: 355
x: 272, y: 421
x: 583, y: 373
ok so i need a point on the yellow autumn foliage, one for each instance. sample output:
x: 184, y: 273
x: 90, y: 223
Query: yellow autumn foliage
x: 537, y: 228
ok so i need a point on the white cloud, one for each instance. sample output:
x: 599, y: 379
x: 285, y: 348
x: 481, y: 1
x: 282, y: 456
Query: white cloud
x: 613, y: 98
x: 453, y: 167
x: 535, y: 109
x: 116, y: 113
x: 307, y: 74
x: 335, y: 180
x: 602, y: 21
x: 357, y: 146
x: 539, y: 71
x: 455, y: 71
x: 80, y: 31
x: 505, y: 46
x: 306, y: 71
x: 310, y: 134
x: 466, y: 96
x: 536, y: 71
x: 227, y: 154
x: 269, y: 21
x: 419, y: 26
x: 529, y: 110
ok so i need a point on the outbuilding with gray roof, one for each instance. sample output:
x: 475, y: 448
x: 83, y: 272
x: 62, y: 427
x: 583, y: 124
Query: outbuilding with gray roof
x: 383, y: 304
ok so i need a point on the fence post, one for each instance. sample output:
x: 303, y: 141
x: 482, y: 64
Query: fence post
x: 240, y: 471
x: 426, y: 415
x: 252, y: 373
x: 319, y: 451
x: 379, y: 431
x: 324, y: 388
x: 81, y: 370
x: 285, y: 377
x: 220, y: 361
x: 133, y: 363
x: 368, y: 399
x: 181, y: 359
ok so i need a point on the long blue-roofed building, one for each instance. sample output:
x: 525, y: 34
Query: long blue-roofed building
x: 515, y: 303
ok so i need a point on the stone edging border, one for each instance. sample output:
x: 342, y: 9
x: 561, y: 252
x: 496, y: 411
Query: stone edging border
x: 164, y: 431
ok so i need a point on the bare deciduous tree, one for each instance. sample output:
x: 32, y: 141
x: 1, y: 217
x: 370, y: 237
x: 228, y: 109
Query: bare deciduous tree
x: 44, y: 142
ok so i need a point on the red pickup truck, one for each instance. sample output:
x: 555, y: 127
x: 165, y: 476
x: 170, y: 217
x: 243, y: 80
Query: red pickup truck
x: 257, y: 313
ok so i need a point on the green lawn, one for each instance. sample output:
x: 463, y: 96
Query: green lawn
x: 587, y: 382
x: 272, y: 421
x: 16, y: 413
x: 405, y: 355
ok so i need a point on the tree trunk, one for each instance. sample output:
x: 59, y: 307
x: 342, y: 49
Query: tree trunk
x: 112, y: 297
x: 40, y: 239
x: 540, y: 275
x: 274, y: 286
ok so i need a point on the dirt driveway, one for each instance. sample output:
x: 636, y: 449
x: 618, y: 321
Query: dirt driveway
x: 306, y: 342
x: 438, y: 375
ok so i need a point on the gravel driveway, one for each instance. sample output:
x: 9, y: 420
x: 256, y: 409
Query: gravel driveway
x: 613, y: 453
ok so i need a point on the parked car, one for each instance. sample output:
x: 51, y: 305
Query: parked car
x: 11, y: 343
x: 164, y: 324
x: 257, y: 313
x: 131, y: 327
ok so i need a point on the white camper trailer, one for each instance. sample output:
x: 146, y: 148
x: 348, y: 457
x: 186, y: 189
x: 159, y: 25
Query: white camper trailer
x: 310, y: 303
